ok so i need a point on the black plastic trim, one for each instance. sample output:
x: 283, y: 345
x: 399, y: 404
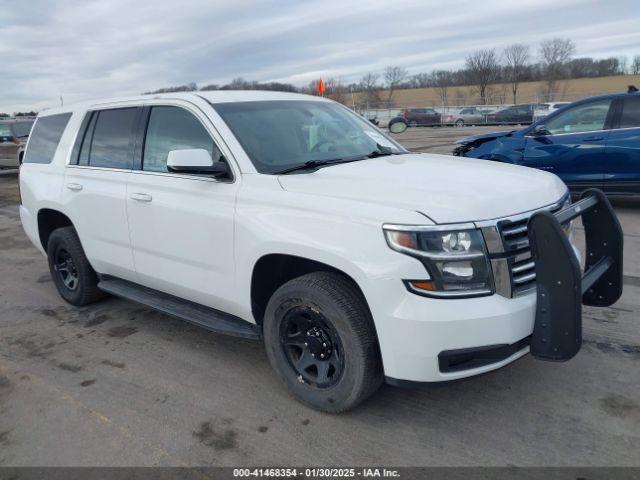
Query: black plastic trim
x: 475, y: 357
x: 562, y: 287
x: 201, y: 315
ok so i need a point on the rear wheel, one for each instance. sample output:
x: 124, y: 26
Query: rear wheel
x: 459, y: 123
x: 71, y: 272
x: 413, y: 123
x: 321, y: 341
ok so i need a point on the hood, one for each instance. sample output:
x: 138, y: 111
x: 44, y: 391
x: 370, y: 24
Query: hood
x: 445, y: 189
x: 483, y: 136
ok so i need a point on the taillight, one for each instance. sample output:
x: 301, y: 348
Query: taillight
x: 405, y: 114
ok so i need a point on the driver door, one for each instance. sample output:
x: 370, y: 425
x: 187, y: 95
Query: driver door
x: 574, y: 145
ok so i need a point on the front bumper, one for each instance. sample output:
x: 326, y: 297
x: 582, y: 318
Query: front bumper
x: 436, y: 340
x: 418, y: 336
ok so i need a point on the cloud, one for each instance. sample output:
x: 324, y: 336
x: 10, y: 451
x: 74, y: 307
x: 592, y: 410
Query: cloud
x: 94, y: 49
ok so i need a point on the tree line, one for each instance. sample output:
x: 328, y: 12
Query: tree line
x: 551, y: 62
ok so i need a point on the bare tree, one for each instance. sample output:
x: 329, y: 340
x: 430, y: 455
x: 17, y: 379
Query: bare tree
x: 336, y: 90
x: 369, y: 85
x: 393, y: 77
x: 635, y: 65
x: 623, y: 65
x: 554, y: 55
x: 442, y: 80
x: 482, y: 71
x: 516, y: 57
x: 420, y: 80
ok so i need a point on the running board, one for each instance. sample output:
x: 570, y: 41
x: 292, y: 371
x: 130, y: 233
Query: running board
x: 191, y: 312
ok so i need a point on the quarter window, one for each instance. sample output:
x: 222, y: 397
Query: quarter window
x: 630, y: 113
x: 173, y: 128
x: 583, y: 118
x: 111, y: 144
x: 45, y: 138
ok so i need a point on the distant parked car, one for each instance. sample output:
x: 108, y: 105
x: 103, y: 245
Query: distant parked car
x: 466, y: 116
x: 513, y: 115
x: 591, y: 143
x: 421, y: 117
x: 544, y: 109
x: 13, y: 138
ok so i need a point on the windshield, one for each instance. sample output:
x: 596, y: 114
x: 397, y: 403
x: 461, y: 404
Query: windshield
x: 278, y: 135
x: 22, y: 129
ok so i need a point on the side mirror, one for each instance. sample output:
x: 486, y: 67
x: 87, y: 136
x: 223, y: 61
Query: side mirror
x: 540, y: 131
x: 196, y: 161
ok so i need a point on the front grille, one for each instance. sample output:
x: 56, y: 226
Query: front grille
x: 515, y: 240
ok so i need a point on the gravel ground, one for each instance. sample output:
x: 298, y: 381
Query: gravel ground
x: 116, y: 384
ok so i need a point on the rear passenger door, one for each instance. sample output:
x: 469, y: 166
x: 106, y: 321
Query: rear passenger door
x: 181, y: 226
x: 94, y: 191
x: 622, y: 159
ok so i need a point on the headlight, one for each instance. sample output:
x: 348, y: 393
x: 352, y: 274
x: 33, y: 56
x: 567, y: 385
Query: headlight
x: 455, y: 258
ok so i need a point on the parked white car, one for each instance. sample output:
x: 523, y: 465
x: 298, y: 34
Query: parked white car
x: 292, y: 219
x: 544, y: 109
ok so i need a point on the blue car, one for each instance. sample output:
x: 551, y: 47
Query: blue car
x: 590, y: 143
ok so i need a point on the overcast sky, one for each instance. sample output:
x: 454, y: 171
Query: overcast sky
x: 81, y: 49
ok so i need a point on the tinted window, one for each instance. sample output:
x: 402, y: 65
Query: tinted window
x: 111, y: 146
x: 45, y: 137
x: 83, y: 142
x: 5, y: 130
x: 630, y: 113
x: 22, y: 129
x: 583, y: 118
x: 173, y: 128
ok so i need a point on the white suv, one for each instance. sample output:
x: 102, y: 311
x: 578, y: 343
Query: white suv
x: 292, y: 219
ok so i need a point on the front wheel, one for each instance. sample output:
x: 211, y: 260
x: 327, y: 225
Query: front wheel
x: 320, y: 339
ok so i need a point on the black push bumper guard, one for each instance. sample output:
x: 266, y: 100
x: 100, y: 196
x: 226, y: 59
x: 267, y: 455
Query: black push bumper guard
x: 562, y: 287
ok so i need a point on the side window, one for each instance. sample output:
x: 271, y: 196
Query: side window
x: 583, y: 118
x: 173, y: 128
x: 45, y: 137
x: 5, y: 133
x: 85, y: 146
x: 630, y: 113
x: 111, y: 144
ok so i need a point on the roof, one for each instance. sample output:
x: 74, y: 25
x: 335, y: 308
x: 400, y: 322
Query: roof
x: 213, y: 96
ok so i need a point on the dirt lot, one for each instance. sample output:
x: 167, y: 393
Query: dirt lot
x: 116, y: 384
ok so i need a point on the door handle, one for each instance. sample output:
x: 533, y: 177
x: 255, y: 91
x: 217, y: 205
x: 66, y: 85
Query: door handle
x: 141, y: 197
x: 76, y: 187
x: 593, y: 139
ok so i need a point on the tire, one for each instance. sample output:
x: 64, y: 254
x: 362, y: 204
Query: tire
x: 459, y: 123
x: 413, y: 124
x: 67, y: 262
x: 332, y: 303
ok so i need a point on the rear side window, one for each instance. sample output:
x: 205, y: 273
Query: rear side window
x: 108, y: 141
x: 45, y: 137
x: 630, y: 113
x: 173, y: 128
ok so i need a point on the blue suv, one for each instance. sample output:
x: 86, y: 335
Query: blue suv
x: 590, y: 143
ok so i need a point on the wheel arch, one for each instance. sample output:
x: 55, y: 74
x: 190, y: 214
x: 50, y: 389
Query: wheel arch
x: 273, y: 270
x: 49, y: 220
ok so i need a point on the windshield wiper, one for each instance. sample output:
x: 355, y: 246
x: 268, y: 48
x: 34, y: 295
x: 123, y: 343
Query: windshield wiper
x: 312, y: 164
x: 382, y: 151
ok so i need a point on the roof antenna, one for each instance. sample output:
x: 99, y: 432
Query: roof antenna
x: 632, y: 89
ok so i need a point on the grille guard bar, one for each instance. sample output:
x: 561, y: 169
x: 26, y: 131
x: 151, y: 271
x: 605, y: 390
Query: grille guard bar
x: 562, y: 287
